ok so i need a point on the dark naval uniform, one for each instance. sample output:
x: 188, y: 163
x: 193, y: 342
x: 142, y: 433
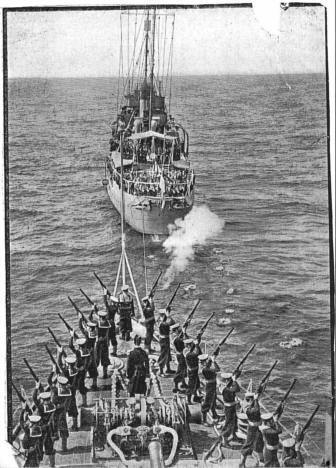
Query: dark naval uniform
x: 270, y: 435
x: 60, y: 396
x: 90, y: 333
x: 112, y: 309
x: 47, y: 411
x: 181, y: 371
x: 137, y: 371
x: 293, y: 458
x: 191, y: 358
x: 209, y: 373
x: 126, y: 312
x: 102, y: 351
x: 229, y: 398
x: 148, y: 309
x: 165, y: 356
x: 254, y: 440
x: 30, y: 444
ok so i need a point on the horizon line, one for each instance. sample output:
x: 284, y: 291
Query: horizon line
x: 176, y: 76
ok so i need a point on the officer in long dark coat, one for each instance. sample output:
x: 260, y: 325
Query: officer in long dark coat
x: 291, y: 455
x: 126, y: 312
x: 209, y: 373
x: 46, y: 409
x: 254, y: 441
x: 229, y: 387
x: 148, y: 309
x: 164, y: 335
x: 181, y: 371
x: 31, y: 442
x: 270, y: 430
x: 137, y: 369
x: 192, y: 351
x: 112, y: 307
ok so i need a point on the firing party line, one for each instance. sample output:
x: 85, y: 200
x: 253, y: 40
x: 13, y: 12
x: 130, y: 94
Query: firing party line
x: 197, y: 376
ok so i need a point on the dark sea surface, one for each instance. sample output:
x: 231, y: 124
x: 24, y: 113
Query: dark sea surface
x: 258, y: 146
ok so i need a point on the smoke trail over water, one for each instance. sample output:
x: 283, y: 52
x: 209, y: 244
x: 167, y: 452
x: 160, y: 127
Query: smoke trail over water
x: 195, y: 229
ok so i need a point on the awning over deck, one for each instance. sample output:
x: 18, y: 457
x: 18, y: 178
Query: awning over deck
x: 150, y: 134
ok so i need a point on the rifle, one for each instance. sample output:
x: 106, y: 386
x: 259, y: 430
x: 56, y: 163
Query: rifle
x: 173, y: 296
x: 222, y: 341
x: 306, y: 426
x: 102, y: 284
x: 264, y: 380
x: 54, y: 337
x: 23, y: 400
x: 90, y: 301
x: 68, y: 326
x: 204, y: 326
x: 58, y: 369
x: 77, y: 309
x: 152, y: 291
x: 241, y: 362
x: 280, y: 407
x: 190, y: 316
x: 31, y: 370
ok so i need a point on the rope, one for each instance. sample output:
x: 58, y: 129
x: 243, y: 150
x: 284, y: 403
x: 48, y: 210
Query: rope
x: 144, y: 250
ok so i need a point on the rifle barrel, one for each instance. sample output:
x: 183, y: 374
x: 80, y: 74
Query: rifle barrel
x: 31, y: 370
x: 90, y: 301
x: 173, y: 296
x: 54, y: 337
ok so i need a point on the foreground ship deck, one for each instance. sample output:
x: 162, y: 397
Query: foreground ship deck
x: 82, y: 452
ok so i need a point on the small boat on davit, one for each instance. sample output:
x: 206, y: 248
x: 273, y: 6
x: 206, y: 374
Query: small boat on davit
x: 158, y: 180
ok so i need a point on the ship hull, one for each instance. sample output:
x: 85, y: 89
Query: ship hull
x: 148, y: 215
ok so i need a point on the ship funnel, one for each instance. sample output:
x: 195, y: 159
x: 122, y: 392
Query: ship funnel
x: 155, y: 454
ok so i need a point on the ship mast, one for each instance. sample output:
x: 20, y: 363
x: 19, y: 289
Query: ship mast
x: 152, y: 72
x: 124, y: 263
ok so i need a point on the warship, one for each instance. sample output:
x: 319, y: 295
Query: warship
x: 158, y: 180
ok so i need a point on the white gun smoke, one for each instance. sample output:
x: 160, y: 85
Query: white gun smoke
x: 195, y: 229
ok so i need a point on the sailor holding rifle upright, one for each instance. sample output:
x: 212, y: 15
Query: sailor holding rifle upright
x: 209, y: 369
x: 126, y: 312
x: 148, y: 309
x: 31, y: 441
x: 68, y: 365
x: 270, y: 430
x: 165, y: 321
x: 228, y: 386
x: 192, y: 351
x: 111, y: 304
x: 181, y: 371
x: 103, y: 330
x: 89, y: 330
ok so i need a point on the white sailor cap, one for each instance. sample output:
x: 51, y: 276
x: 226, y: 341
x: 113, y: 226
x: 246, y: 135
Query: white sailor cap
x: 102, y: 313
x: 150, y: 400
x: 224, y: 376
x: 146, y: 298
x: 91, y: 324
x: 113, y: 299
x: 71, y: 359
x: 266, y: 416
x: 188, y: 341
x: 249, y: 395
x: 45, y: 395
x: 130, y: 401
x: 81, y: 341
x: 175, y: 327
x: 162, y: 311
x: 153, y: 357
x: 203, y: 357
x: 242, y: 416
x: 61, y: 379
x: 125, y: 287
x: 288, y: 443
x: 34, y: 418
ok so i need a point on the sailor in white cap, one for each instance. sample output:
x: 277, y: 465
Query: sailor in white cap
x: 164, y: 333
x: 192, y: 351
x: 291, y: 454
x: 102, y: 351
x: 112, y: 308
x: 209, y: 369
x: 85, y: 364
x: 254, y: 440
x: 61, y: 399
x: 31, y: 442
x: 270, y: 430
x: 148, y: 309
x: 181, y: 371
x: 229, y: 387
x: 126, y: 312
x: 46, y: 410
